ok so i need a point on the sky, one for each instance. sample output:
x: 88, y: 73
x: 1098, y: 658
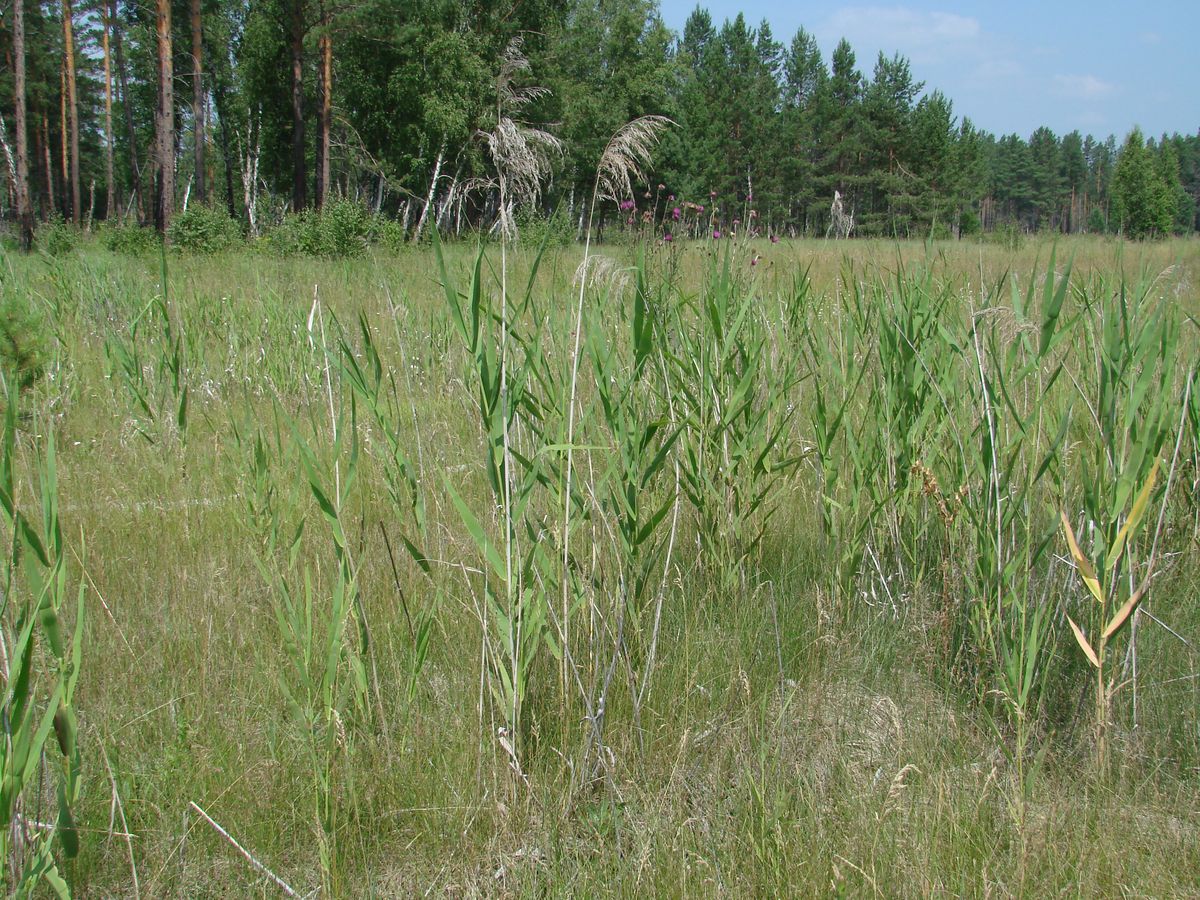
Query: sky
x: 1100, y: 67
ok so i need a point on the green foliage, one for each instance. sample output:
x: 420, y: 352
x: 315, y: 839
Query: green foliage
x: 731, y: 397
x: 57, y: 237
x: 342, y: 230
x: 536, y: 229
x: 1144, y: 205
x: 389, y: 234
x: 38, y: 694
x: 968, y: 223
x: 24, y: 339
x: 290, y: 236
x: 1007, y: 235
x: 899, y: 617
x: 204, y: 230
x: 131, y: 240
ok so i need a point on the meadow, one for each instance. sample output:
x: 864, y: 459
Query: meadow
x: 724, y: 568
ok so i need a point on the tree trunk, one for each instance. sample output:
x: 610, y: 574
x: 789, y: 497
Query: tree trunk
x: 164, y: 130
x: 48, y: 154
x: 64, y: 133
x: 324, y: 109
x: 222, y: 119
x: 299, y: 179
x: 110, y: 195
x: 135, y: 170
x: 249, y: 160
x: 10, y: 163
x: 437, y: 172
x: 72, y: 101
x: 198, y: 98
x: 24, y: 209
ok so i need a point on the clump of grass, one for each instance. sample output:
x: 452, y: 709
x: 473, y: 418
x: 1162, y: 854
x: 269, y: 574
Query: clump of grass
x: 39, y: 685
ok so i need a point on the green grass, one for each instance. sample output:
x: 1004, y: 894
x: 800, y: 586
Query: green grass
x: 825, y: 707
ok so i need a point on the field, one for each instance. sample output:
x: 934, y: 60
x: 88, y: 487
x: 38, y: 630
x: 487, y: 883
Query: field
x: 432, y: 572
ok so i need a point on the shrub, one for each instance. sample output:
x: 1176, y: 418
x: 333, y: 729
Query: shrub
x: 131, y: 240
x: 1096, y: 223
x: 292, y: 235
x: 555, y: 229
x: 389, y: 234
x: 1008, y: 235
x: 24, y: 343
x: 343, y: 230
x: 968, y: 223
x: 57, y: 237
x: 205, y: 230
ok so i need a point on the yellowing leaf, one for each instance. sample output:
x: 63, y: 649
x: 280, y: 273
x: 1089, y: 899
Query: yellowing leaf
x: 1123, y: 613
x: 1083, y: 643
x: 1134, y: 518
x: 1086, y: 571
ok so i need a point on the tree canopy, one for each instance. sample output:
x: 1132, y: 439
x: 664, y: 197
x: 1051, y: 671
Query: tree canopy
x: 278, y: 104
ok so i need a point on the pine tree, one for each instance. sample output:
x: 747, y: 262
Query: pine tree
x: 805, y: 76
x: 839, y: 127
x: 164, y: 124
x: 1047, y: 177
x: 1141, y: 201
x: 24, y: 207
x: 888, y: 109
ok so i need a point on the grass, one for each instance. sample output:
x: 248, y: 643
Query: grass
x: 797, y: 679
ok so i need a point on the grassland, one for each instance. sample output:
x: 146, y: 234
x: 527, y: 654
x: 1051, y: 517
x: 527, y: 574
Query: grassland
x: 730, y: 579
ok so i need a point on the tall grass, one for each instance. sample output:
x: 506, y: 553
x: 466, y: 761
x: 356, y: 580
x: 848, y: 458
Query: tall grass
x: 458, y: 582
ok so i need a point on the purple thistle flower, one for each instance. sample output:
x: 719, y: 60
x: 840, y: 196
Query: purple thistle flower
x: 675, y: 213
x: 774, y: 239
x: 667, y: 237
x: 716, y: 235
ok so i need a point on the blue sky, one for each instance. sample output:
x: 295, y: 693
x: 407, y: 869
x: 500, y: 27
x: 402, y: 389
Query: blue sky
x: 1099, y: 67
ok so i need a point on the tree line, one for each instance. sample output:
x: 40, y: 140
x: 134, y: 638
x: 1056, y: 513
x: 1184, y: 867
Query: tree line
x: 127, y: 111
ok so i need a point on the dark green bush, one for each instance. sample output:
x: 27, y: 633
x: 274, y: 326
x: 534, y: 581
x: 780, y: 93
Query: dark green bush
x: 344, y: 229
x: 968, y: 223
x: 130, y: 240
x: 341, y: 230
x: 291, y: 236
x: 204, y: 230
x: 555, y: 229
x: 1008, y: 235
x: 389, y: 234
x: 57, y: 237
x: 24, y: 340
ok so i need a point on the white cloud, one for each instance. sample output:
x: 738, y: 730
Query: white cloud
x: 1082, y: 87
x: 923, y: 36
